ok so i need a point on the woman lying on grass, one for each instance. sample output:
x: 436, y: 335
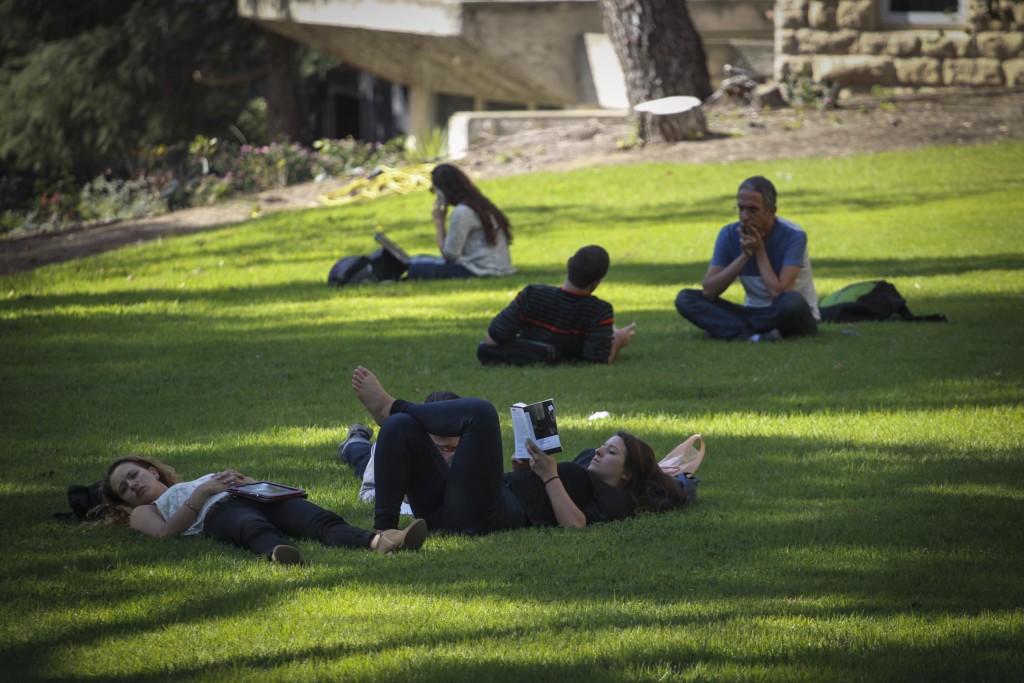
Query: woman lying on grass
x: 474, y: 496
x: 150, y: 497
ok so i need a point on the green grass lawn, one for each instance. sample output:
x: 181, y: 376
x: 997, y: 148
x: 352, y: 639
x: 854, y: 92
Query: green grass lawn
x: 861, y: 515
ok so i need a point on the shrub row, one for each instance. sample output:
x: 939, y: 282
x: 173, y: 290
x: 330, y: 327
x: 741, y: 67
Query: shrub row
x: 203, y: 172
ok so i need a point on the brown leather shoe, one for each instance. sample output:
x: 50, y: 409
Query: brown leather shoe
x: 409, y: 538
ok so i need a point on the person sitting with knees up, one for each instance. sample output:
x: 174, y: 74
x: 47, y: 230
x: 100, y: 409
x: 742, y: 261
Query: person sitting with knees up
x: 358, y: 452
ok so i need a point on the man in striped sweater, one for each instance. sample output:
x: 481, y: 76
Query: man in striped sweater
x: 546, y: 324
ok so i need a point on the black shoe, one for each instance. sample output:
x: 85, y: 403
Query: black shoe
x: 772, y: 335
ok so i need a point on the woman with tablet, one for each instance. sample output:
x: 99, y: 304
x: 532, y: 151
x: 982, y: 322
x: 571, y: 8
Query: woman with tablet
x: 150, y: 497
x: 620, y: 478
x: 472, y: 233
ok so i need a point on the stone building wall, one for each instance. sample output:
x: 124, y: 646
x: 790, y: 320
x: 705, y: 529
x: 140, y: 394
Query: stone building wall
x: 845, y: 41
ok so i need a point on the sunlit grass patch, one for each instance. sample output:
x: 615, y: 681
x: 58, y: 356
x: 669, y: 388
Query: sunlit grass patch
x: 859, y: 516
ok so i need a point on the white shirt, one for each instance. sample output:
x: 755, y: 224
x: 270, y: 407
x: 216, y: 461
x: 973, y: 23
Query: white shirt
x: 466, y: 244
x: 368, y: 491
x: 174, y: 498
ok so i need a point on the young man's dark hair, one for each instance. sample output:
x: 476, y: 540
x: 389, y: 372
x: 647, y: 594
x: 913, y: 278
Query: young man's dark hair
x: 546, y: 324
x: 588, y: 265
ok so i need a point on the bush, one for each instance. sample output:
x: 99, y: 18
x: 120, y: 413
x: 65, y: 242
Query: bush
x: 804, y: 91
x: 204, y: 172
x: 37, y: 204
x: 250, y: 168
x: 110, y: 198
x: 430, y: 147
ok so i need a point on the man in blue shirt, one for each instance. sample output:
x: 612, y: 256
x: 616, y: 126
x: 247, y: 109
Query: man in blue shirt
x: 769, y: 256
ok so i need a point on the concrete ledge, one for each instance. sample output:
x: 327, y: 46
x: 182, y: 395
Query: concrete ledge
x: 469, y: 128
x: 431, y: 18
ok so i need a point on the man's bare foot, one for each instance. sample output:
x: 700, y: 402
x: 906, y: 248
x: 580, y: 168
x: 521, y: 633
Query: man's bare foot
x: 372, y: 395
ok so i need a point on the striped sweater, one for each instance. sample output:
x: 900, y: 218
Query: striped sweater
x: 581, y: 326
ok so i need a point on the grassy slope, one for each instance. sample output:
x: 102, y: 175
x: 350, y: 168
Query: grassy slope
x: 861, y: 512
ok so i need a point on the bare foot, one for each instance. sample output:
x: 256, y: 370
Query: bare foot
x: 372, y: 395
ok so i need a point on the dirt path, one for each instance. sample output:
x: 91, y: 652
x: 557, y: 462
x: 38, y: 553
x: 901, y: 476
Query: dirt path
x: 32, y: 250
x: 738, y: 133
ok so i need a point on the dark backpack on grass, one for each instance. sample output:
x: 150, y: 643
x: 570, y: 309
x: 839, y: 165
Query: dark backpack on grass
x: 350, y: 270
x: 82, y: 499
x: 871, y: 300
x: 380, y: 266
x: 518, y: 352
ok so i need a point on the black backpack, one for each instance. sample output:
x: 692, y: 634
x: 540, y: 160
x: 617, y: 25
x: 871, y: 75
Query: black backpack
x: 871, y: 300
x: 82, y: 499
x: 518, y: 352
x: 380, y: 266
x: 351, y: 270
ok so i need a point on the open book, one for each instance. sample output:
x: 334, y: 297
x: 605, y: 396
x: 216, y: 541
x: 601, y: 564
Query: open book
x: 535, y: 421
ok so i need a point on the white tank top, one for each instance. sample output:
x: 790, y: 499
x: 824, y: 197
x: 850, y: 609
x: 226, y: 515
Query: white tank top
x: 174, y: 498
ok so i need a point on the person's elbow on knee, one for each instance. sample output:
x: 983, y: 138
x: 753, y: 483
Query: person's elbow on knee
x: 709, y: 294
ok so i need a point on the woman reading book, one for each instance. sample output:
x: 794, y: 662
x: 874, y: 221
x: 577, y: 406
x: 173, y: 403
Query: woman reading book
x: 472, y: 233
x: 150, y: 497
x: 475, y: 496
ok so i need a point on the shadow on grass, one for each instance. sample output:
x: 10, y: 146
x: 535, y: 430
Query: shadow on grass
x: 789, y: 533
x: 684, y: 274
x: 242, y: 374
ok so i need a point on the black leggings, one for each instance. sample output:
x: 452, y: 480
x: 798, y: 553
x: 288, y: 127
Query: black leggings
x: 468, y: 497
x: 261, y: 526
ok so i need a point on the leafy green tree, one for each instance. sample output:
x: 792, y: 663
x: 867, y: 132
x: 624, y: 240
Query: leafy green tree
x: 91, y: 84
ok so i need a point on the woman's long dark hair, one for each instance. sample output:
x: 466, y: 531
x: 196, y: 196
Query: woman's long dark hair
x: 457, y: 188
x: 652, y: 490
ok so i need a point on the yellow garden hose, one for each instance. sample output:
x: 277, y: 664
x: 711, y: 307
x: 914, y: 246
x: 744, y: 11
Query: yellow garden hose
x: 384, y: 180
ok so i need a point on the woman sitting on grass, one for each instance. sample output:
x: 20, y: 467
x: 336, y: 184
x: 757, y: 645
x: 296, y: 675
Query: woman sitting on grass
x: 474, y: 496
x: 150, y: 497
x: 475, y: 240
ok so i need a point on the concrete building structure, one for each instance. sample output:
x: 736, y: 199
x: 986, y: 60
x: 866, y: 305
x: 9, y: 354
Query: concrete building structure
x: 475, y: 56
x: 482, y: 55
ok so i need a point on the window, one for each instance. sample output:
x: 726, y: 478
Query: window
x: 922, y: 12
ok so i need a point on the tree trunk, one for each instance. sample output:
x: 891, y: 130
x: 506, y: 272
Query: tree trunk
x: 662, y: 55
x: 282, y: 88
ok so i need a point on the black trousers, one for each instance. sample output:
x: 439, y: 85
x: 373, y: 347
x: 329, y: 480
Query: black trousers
x: 261, y: 526
x: 468, y: 497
